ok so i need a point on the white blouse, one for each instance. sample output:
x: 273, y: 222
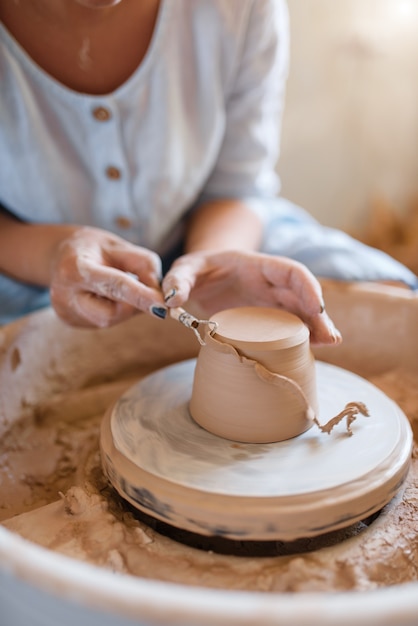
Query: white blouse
x: 200, y: 117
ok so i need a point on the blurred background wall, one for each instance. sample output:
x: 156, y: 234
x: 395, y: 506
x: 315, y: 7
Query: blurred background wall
x: 350, y: 128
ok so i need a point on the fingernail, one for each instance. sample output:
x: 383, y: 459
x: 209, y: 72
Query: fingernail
x: 170, y: 294
x: 159, y: 311
x: 322, y: 307
x: 333, y: 330
x: 335, y: 334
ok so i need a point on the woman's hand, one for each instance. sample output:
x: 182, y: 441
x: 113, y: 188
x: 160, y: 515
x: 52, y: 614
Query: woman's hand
x: 99, y: 279
x: 221, y: 280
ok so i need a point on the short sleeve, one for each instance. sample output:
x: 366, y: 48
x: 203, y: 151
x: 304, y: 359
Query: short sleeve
x: 245, y: 167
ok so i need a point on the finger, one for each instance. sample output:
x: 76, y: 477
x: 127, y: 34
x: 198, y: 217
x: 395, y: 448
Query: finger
x: 141, y: 262
x: 295, y: 277
x: 181, y: 278
x: 101, y: 312
x: 323, y: 330
x: 116, y: 285
x: 85, y: 309
x: 301, y: 293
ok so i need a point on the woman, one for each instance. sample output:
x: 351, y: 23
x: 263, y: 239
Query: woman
x: 138, y: 141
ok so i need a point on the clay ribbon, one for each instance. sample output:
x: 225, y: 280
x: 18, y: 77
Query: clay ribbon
x: 350, y: 411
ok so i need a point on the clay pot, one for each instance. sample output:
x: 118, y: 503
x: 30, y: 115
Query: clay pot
x: 254, y: 380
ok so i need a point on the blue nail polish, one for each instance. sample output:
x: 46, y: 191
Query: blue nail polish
x: 159, y: 311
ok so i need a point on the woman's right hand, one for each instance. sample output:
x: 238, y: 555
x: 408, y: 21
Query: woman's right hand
x: 99, y: 279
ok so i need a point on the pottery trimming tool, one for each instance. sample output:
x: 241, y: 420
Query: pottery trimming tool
x: 198, y: 326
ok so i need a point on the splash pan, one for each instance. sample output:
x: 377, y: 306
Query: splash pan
x: 56, y: 384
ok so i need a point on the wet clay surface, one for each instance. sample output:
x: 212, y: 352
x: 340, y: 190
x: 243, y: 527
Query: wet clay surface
x: 258, y: 359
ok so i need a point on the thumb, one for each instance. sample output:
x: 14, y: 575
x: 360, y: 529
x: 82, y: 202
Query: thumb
x: 181, y: 278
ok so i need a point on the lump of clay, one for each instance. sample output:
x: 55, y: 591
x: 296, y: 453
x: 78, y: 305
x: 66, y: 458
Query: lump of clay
x: 255, y: 377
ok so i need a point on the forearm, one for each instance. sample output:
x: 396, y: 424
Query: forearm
x: 223, y: 225
x: 26, y: 250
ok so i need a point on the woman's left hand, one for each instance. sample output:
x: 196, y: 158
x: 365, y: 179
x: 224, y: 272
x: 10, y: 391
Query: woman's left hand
x: 222, y: 280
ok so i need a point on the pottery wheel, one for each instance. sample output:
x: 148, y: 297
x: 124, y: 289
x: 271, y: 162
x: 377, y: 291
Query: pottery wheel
x: 164, y: 464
